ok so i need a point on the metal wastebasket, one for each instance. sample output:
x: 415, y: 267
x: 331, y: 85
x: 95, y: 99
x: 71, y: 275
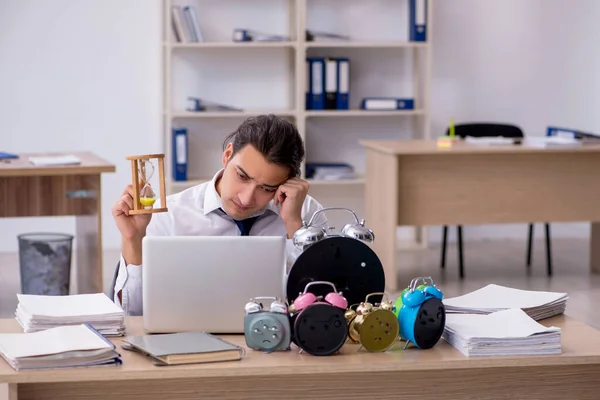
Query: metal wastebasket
x: 45, y: 263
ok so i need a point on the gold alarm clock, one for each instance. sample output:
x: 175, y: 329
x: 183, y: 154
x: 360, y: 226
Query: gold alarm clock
x: 350, y: 315
x: 374, y: 326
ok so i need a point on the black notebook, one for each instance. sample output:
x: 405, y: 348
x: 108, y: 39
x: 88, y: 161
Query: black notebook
x: 184, y: 348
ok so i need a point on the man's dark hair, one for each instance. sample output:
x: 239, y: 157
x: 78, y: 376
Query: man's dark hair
x: 275, y: 138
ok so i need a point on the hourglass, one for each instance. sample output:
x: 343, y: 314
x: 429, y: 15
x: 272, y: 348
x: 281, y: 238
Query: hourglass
x: 142, y: 171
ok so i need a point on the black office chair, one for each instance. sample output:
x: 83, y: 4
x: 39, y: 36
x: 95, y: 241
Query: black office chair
x: 488, y: 130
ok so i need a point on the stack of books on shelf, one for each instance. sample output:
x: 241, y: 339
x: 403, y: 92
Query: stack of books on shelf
x: 504, y: 333
x: 328, y: 83
x: 329, y: 88
x: 501, y: 321
x: 59, y: 347
x: 36, y: 313
x: 185, y: 25
x: 491, y: 298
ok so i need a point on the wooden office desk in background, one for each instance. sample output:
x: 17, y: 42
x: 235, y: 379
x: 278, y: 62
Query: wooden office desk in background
x: 438, y: 373
x: 416, y: 183
x: 27, y: 190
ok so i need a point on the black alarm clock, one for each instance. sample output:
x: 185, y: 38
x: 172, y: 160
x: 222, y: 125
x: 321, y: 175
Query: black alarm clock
x: 344, y: 259
x: 318, y: 322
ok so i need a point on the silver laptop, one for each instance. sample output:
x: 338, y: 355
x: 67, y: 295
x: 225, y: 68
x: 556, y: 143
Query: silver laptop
x: 202, y: 283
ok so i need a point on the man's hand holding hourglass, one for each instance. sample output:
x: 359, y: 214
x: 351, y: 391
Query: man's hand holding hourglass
x: 132, y: 227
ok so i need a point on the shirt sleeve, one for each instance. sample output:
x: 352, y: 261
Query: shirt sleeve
x: 292, y: 253
x: 129, y: 283
x: 129, y: 278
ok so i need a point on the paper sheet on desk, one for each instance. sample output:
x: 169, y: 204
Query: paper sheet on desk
x: 503, y: 333
x: 496, y: 297
x: 537, y: 304
x: 489, y: 140
x: 55, y: 160
x: 72, y: 306
x: 551, y: 141
x: 58, y: 347
x: 512, y: 323
x: 51, y: 342
x: 39, y: 312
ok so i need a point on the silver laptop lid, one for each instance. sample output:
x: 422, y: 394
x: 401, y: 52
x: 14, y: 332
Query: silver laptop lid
x: 202, y: 283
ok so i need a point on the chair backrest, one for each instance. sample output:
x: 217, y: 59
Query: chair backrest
x: 487, y: 130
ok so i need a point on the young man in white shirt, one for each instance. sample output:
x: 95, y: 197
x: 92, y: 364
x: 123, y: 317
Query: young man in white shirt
x: 258, y: 192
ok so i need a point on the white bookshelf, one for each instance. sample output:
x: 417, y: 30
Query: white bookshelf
x: 270, y: 77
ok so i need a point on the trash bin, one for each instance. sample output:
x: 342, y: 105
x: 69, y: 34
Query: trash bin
x: 45, y: 263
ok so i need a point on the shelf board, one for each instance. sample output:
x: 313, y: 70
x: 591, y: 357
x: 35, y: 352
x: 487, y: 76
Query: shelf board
x: 365, y: 45
x: 182, y: 185
x: 231, y: 114
x: 292, y: 113
x: 336, y: 182
x: 229, y: 45
x: 281, y: 45
x: 362, y: 113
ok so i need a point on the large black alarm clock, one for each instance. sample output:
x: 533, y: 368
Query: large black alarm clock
x: 343, y: 259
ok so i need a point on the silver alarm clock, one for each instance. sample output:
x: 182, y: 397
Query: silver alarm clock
x: 267, y: 330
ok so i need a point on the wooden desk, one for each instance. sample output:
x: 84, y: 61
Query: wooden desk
x: 27, y: 190
x: 416, y: 183
x: 438, y: 373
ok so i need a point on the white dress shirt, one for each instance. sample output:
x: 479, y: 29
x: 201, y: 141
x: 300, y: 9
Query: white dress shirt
x: 196, y: 212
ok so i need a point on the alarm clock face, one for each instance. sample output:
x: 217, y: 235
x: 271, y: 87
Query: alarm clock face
x: 430, y: 323
x: 267, y: 332
x: 320, y: 329
x: 351, y: 265
x: 379, y: 330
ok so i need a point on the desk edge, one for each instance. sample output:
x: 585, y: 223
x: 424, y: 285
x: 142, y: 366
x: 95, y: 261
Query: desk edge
x: 102, y: 374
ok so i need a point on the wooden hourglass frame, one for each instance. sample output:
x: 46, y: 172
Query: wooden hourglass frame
x: 143, y: 194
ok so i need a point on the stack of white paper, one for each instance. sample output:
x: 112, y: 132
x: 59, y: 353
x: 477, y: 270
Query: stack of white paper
x: 36, y: 312
x: 61, y: 347
x: 552, y: 141
x: 69, y: 159
x: 537, y: 304
x: 503, y: 333
x: 489, y: 140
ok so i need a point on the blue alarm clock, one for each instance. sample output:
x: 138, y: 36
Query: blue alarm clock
x: 421, y: 315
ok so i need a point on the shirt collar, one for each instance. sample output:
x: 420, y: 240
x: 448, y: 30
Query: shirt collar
x: 212, y: 200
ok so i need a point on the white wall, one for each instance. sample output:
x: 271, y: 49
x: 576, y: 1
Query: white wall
x: 81, y: 75
x: 533, y: 63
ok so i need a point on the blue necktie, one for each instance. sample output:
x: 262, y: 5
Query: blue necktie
x: 245, y: 225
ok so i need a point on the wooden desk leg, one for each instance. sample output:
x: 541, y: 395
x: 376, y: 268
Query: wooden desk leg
x: 381, y: 210
x: 12, y: 392
x: 595, y: 247
x: 88, y: 250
